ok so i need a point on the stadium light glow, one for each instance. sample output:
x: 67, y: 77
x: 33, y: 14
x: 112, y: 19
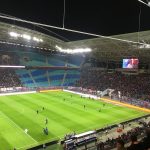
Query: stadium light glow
x: 73, y: 51
x: 25, y: 36
x: 81, y: 50
x: 41, y: 40
x: 37, y: 40
x: 13, y: 34
x: 144, y: 46
x: 7, y: 66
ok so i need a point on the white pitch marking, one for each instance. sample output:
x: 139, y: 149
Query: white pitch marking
x: 17, y: 126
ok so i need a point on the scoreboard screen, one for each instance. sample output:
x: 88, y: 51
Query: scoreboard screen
x: 130, y: 63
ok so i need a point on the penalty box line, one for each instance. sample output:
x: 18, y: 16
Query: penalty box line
x: 18, y: 126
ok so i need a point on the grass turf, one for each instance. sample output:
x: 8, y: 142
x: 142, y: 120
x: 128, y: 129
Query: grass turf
x: 65, y: 114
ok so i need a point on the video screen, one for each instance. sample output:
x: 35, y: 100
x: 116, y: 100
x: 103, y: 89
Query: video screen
x: 130, y: 63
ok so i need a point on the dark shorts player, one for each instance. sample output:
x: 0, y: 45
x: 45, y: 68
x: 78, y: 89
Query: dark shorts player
x: 46, y: 121
x: 37, y: 111
x: 45, y: 130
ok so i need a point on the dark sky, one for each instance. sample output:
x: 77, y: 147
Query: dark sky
x: 105, y: 17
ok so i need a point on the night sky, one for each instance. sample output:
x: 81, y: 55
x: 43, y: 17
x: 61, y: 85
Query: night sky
x: 105, y: 17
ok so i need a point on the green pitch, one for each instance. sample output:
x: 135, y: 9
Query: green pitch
x: 65, y: 114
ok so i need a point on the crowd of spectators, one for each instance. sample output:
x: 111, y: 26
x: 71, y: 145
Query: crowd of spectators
x: 134, y: 135
x: 8, y: 78
x: 129, y: 137
x: 130, y: 86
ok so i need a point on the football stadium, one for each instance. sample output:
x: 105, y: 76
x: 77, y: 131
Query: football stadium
x: 89, y: 94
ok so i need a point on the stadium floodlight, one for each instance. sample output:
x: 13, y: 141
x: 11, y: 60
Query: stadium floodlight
x: 41, y: 40
x: 7, y: 66
x: 147, y: 45
x: 73, y: 51
x: 144, y: 46
x: 78, y: 50
x: 37, y: 40
x: 25, y: 36
x: 13, y: 34
x: 81, y: 50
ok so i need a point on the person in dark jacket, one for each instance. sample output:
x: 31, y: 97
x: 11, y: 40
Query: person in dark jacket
x: 120, y: 145
x: 135, y: 145
x: 146, y: 140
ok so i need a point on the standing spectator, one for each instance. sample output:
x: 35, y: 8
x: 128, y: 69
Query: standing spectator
x: 146, y: 140
x: 135, y: 145
x: 120, y: 145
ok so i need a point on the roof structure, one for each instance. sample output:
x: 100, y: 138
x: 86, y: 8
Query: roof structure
x: 48, y: 44
x: 113, y: 50
x: 102, y: 48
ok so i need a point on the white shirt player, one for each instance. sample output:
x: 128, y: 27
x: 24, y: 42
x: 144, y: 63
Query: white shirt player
x: 26, y: 131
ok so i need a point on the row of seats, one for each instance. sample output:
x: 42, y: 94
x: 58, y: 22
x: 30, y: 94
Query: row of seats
x: 37, y: 77
x: 32, y: 78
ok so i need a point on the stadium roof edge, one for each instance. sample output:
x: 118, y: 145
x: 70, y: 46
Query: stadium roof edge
x: 103, y: 48
x: 114, y: 50
x: 127, y: 36
x: 25, y: 29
